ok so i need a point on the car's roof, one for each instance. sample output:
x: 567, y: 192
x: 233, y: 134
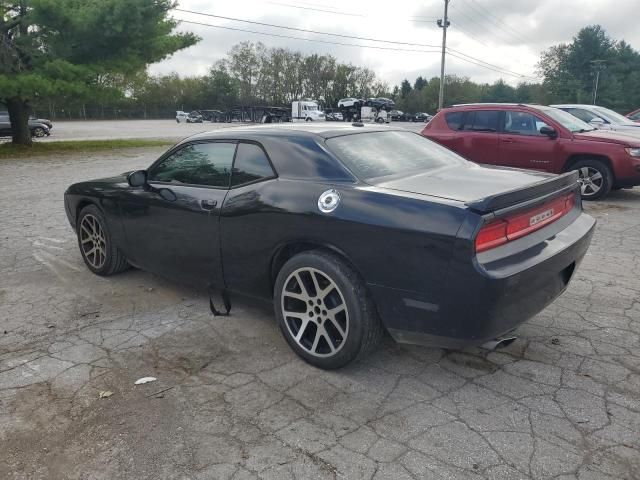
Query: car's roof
x: 574, y: 105
x: 294, y: 129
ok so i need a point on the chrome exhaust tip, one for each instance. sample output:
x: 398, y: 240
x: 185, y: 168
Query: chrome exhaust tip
x: 499, y: 342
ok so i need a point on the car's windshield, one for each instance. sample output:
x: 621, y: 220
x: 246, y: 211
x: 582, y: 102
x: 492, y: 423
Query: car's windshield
x: 567, y: 120
x: 612, y: 116
x: 381, y: 154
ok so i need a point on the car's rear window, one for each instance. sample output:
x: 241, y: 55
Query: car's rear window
x: 382, y: 154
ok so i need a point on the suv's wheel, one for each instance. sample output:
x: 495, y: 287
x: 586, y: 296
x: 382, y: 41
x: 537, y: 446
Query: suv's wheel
x: 98, y: 251
x: 38, y: 132
x: 596, y: 178
x: 324, y: 310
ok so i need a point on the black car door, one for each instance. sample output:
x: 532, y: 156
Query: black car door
x: 172, y: 226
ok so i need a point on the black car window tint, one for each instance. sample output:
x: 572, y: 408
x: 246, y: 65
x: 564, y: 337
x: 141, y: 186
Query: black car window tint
x: 454, y: 120
x: 197, y: 164
x: 482, y: 121
x: 251, y: 164
x: 523, y: 123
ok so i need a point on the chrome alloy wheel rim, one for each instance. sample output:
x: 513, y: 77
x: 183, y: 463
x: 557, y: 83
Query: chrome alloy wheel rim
x: 92, y: 241
x: 315, y: 312
x: 591, y: 181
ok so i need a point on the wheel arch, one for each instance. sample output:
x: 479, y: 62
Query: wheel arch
x: 291, y: 249
x: 575, y: 158
x: 85, y: 202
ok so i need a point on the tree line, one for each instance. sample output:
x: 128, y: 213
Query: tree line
x: 69, y: 59
x: 252, y: 74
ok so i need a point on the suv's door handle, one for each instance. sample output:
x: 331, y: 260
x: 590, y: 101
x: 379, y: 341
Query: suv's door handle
x: 208, y: 204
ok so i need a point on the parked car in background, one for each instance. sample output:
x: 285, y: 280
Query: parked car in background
x: 215, y: 116
x: 635, y: 115
x: 361, y: 229
x: 332, y: 115
x: 396, y: 114
x: 540, y: 138
x: 37, y: 127
x: 601, y: 118
x: 421, y: 117
x: 181, y: 116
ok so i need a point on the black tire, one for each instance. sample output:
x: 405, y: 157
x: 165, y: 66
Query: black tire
x: 38, y: 132
x: 363, y: 328
x: 308, y: 119
x: 596, y: 166
x: 114, y: 261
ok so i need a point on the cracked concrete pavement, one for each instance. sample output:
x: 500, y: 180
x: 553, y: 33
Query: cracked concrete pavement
x: 563, y: 401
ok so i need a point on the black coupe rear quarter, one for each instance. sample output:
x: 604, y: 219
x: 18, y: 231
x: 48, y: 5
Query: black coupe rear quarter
x: 348, y: 230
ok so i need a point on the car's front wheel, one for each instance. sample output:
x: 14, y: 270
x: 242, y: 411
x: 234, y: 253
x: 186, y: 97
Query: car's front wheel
x: 595, y: 178
x: 99, y: 252
x: 324, y: 310
x: 39, y: 132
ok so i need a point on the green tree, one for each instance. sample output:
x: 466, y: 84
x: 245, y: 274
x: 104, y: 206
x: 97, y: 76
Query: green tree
x: 50, y: 47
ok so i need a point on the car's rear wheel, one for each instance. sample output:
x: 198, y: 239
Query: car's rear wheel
x: 324, y: 310
x: 38, y: 132
x: 595, y: 178
x: 98, y: 251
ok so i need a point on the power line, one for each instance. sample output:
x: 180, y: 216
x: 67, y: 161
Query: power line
x: 305, y: 30
x: 497, y: 22
x: 474, y: 60
x: 419, y: 19
x: 269, y: 34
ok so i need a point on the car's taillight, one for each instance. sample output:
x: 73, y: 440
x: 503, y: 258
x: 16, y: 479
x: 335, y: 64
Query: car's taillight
x: 512, y: 227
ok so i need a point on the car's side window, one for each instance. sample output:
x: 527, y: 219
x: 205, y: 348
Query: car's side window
x: 206, y: 164
x: 582, y: 114
x: 522, y: 123
x: 482, y: 121
x: 251, y: 164
x: 635, y: 116
x: 454, y: 120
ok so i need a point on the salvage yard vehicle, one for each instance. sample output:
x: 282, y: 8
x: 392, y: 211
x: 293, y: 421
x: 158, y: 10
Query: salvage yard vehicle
x: 38, y: 127
x: 635, y: 115
x: 315, y: 218
x: 539, y: 138
x: 601, y: 118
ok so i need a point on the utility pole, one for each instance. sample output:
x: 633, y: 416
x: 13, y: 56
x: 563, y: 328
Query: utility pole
x: 598, y: 66
x: 443, y: 24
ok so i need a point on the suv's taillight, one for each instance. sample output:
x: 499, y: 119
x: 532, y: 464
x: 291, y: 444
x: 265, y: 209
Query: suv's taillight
x: 501, y: 231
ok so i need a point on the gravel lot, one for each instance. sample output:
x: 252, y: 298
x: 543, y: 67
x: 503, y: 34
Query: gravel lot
x: 105, y: 129
x: 563, y: 401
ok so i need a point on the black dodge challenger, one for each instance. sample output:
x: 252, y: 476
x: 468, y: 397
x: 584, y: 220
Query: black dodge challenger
x: 350, y: 230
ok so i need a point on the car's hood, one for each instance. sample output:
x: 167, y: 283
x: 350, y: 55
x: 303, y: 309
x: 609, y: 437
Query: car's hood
x: 465, y: 182
x: 628, y: 138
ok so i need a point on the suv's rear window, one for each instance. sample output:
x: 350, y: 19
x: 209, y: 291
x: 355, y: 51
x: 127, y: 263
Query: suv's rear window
x: 381, y: 154
x: 454, y: 120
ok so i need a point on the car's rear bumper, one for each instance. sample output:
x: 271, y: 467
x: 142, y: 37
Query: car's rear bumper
x: 487, y: 300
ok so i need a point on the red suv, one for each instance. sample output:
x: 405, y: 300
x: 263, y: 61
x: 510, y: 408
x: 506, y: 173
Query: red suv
x: 540, y: 138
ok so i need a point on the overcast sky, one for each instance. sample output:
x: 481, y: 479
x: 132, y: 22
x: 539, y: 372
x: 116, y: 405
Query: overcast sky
x: 507, y: 34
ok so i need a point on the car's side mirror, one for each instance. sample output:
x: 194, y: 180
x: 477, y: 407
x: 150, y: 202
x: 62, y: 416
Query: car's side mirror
x: 597, y: 122
x: 548, y: 131
x: 137, y: 178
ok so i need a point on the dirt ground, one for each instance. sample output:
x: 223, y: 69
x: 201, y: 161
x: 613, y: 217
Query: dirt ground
x: 231, y: 400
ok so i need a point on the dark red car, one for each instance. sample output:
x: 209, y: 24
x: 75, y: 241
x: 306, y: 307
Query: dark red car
x: 539, y: 138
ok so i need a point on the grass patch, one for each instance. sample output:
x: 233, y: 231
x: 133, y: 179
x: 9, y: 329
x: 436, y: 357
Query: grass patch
x: 8, y: 150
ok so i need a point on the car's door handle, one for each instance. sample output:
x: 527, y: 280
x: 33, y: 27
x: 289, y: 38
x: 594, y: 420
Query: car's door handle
x: 208, y: 204
x: 508, y: 140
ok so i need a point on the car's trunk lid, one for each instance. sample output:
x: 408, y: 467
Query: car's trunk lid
x: 482, y: 188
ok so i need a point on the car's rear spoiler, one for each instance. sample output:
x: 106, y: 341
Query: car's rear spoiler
x: 519, y: 195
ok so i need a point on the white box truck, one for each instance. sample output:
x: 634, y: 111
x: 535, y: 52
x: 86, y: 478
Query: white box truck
x: 306, y: 111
